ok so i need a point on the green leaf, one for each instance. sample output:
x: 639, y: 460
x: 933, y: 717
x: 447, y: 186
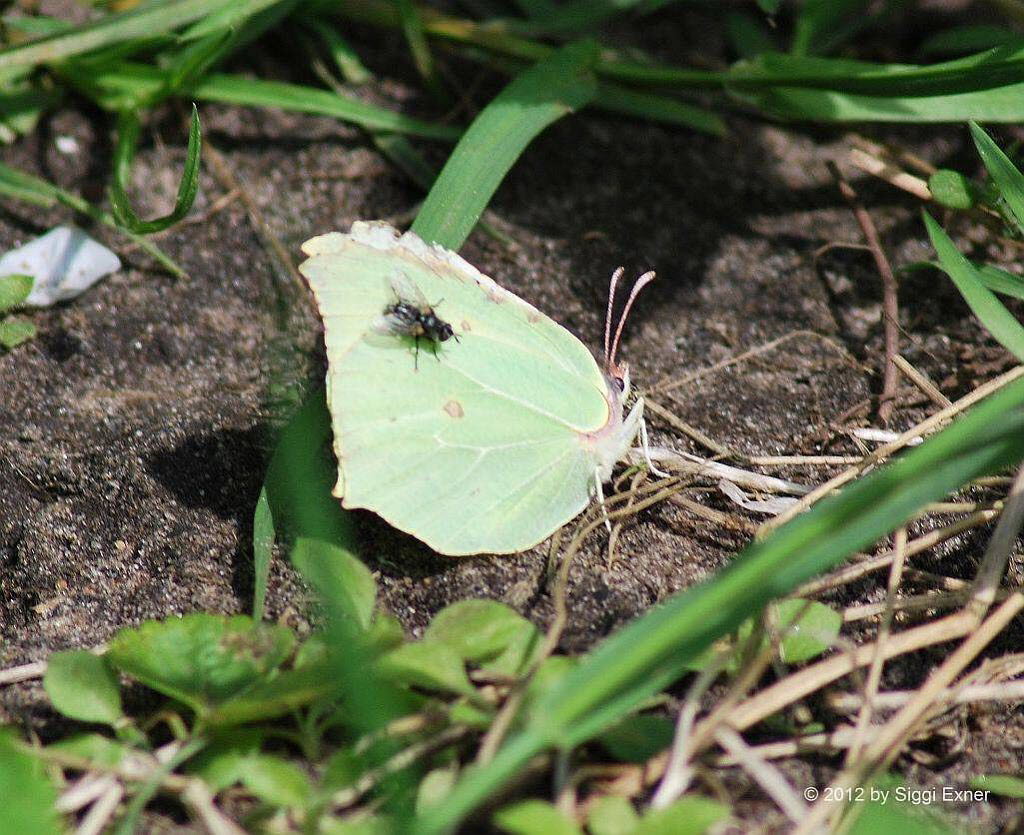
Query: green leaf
x: 84, y: 687
x: 201, y: 660
x: 691, y: 815
x: 993, y: 313
x: 542, y: 94
x: 341, y: 579
x: 29, y: 797
x: 638, y: 738
x: 262, y: 552
x: 426, y: 664
x: 14, y: 289
x: 478, y: 630
x: 128, y: 135
x: 1004, y: 173
x: 275, y: 781
x: 15, y: 331
x: 951, y: 188
x: 808, y: 628
x: 219, y: 764
x: 283, y: 693
x: 534, y: 817
x: 612, y: 815
x: 101, y: 750
x: 1006, y: 785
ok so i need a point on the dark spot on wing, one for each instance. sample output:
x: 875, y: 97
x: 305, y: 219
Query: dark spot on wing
x: 453, y: 408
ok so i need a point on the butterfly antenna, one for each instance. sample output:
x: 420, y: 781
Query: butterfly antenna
x: 641, y: 282
x: 608, y: 313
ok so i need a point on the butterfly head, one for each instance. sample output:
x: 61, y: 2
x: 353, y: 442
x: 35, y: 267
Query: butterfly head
x: 618, y: 373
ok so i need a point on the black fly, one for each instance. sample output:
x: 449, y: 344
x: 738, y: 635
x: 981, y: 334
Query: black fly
x: 410, y: 314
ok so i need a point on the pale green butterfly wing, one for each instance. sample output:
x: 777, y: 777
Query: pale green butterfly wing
x: 489, y: 447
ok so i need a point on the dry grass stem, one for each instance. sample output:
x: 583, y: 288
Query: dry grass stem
x: 879, y: 455
x: 768, y: 777
x: 875, y: 670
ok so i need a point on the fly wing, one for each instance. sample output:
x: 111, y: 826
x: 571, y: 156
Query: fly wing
x: 390, y: 324
x: 405, y: 290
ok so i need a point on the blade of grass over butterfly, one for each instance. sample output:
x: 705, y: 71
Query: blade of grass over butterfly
x: 262, y: 552
x: 38, y: 192
x: 152, y: 19
x: 653, y: 651
x: 492, y: 143
x: 301, y: 474
x: 993, y: 313
x: 1003, y: 172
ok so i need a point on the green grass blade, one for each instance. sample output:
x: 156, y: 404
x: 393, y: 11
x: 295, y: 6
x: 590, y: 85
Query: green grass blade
x: 655, y: 108
x: 999, y: 104
x: 128, y: 133
x: 231, y: 17
x: 1004, y: 173
x: 653, y: 651
x: 1000, y: 281
x: 300, y: 477
x: 993, y: 313
x: 262, y: 552
x: 574, y: 16
x: 545, y: 92
x: 412, y: 28
x: 21, y: 186
x: 345, y: 58
x: 144, y: 22
x: 230, y: 89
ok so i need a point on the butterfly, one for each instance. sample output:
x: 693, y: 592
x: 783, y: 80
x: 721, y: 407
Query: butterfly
x: 497, y: 444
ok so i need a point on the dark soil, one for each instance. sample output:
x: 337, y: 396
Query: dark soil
x: 136, y: 428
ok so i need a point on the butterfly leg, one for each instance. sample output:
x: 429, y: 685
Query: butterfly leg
x: 416, y: 353
x: 647, y: 451
x: 599, y: 491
